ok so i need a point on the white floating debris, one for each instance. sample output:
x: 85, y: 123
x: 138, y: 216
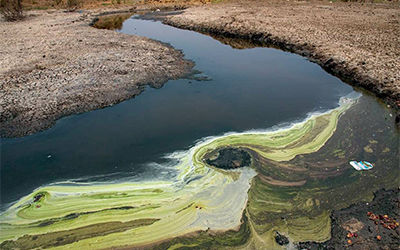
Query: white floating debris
x: 361, y: 165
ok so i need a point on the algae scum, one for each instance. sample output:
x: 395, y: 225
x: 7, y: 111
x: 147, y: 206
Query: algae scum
x: 233, y: 190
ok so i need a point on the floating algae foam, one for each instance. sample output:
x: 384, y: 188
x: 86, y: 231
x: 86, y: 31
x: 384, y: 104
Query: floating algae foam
x: 290, y: 187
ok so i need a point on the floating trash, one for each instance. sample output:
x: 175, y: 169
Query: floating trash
x: 361, y: 165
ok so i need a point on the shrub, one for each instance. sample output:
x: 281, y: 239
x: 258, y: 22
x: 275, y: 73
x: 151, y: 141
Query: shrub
x: 11, y: 9
x: 73, y: 4
x: 57, y: 2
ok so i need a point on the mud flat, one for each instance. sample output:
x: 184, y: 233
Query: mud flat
x: 355, y: 220
x: 357, y: 42
x: 54, y: 64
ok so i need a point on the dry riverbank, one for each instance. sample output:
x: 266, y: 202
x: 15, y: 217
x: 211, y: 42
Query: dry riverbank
x: 54, y: 64
x: 358, y: 42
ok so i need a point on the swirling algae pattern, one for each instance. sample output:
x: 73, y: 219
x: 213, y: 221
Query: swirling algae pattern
x: 202, y: 206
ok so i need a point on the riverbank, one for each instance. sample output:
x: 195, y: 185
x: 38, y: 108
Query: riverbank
x: 70, y: 71
x: 54, y: 64
x: 355, y: 227
x: 358, y: 42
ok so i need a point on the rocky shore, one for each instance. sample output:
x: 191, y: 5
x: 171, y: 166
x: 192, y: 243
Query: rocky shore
x: 54, y: 64
x: 358, y: 42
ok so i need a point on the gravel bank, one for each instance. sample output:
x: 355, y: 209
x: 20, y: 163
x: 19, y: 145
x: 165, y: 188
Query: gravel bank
x: 360, y: 43
x: 54, y: 64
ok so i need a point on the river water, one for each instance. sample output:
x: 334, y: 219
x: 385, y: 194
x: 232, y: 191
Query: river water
x: 245, y: 89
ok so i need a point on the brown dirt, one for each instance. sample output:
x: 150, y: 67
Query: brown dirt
x: 358, y: 42
x: 54, y: 64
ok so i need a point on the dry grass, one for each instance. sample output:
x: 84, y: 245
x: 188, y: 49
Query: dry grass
x: 93, y: 4
x: 74, y: 4
x: 11, y: 9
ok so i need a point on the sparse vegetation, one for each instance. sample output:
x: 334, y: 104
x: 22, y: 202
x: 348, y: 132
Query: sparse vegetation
x: 90, y: 4
x: 57, y: 2
x: 11, y: 9
x: 73, y: 4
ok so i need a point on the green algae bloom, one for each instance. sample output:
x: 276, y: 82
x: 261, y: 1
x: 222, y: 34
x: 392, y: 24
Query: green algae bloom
x: 291, y: 186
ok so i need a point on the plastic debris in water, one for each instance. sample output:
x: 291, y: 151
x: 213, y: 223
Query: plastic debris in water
x: 361, y: 165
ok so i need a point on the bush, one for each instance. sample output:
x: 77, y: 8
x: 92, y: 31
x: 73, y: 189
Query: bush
x: 73, y: 4
x: 57, y: 2
x: 11, y: 9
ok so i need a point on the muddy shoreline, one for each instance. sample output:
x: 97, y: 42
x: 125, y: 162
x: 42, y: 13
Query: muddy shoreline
x: 361, y: 53
x: 355, y: 220
x: 54, y: 65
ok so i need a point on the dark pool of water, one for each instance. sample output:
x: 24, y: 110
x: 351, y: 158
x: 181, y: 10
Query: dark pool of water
x: 250, y: 88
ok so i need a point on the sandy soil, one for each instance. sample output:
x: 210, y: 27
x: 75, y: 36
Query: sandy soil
x: 358, y: 42
x: 53, y: 64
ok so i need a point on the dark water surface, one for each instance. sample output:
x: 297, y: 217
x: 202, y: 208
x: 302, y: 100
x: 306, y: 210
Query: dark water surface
x: 249, y: 89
